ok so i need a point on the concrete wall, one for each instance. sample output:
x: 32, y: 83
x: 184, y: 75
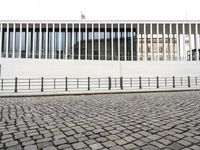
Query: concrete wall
x: 29, y: 68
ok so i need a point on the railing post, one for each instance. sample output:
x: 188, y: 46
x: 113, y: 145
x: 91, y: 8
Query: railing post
x: 88, y: 83
x: 121, y: 83
x: 42, y: 84
x: 109, y: 83
x: 189, y: 81
x: 16, y: 85
x: 140, y: 82
x: 66, y: 88
x: 173, y: 82
x: 2, y: 84
x: 77, y: 83
x: 29, y: 84
x: 196, y: 80
x: 157, y: 81
x: 148, y: 82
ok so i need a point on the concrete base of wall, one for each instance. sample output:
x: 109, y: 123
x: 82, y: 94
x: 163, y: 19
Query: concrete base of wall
x: 31, y: 68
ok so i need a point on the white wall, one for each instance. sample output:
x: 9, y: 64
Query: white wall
x: 29, y: 68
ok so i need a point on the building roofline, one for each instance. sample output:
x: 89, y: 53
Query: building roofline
x: 99, y: 21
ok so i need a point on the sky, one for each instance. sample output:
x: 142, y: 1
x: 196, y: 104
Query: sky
x: 100, y: 9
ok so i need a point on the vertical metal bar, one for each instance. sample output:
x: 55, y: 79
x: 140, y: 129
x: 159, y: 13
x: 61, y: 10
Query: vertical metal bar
x: 66, y: 84
x: 54, y: 83
x: 148, y: 81
x: 109, y: 83
x: 131, y: 82
x: 140, y: 82
x: 2, y: 84
x: 157, y: 82
x: 165, y: 81
x: 99, y: 83
x: 77, y: 83
x: 196, y: 80
x: 173, y: 82
x: 42, y: 84
x: 16, y: 85
x: 189, y: 81
x: 29, y: 84
x: 181, y: 81
x: 88, y: 83
x: 121, y: 83
x: 115, y: 82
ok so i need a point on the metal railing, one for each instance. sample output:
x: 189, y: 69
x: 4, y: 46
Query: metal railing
x: 93, y: 84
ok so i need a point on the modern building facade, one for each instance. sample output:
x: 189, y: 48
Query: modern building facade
x: 98, y: 43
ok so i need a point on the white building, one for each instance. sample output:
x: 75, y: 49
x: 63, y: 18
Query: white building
x: 99, y: 48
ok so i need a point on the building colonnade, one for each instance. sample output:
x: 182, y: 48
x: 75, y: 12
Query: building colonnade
x: 97, y: 40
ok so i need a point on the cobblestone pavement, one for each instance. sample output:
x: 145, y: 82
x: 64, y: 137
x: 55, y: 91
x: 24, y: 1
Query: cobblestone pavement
x: 147, y: 121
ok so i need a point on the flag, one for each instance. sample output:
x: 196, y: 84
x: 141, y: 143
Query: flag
x: 82, y: 16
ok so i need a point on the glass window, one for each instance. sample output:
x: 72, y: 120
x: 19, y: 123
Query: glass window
x: 30, y: 42
x: 23, y: 43
x: 17, y: 42
x: 50, y: 43
x: 69, y: 43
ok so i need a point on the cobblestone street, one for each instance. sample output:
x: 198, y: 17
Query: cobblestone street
x: 147, y: 121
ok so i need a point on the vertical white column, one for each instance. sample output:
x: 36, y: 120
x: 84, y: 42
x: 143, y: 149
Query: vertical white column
x: 72, y: 41
x: 66, y: 41
x: 190, y: 46
x: 79, y: 43
x: 86, y: 33
x: 151, y: 42
x: 171, y: 45
x: 158, y: 53
x: 99, y: 52
x: 164, y: 42
x: 47, y: 37
x: 112, y: 55
x: 27, y: 26
x: 138, y: 42
x: 183, y: 28
x: 105, y: 41
x: 118, y: 41
x: 33, y: 46
x: 177, y: 43
x: 145, y: 43
x: 1, y: 32
x: 197, y: 41
x: 40, y: 40
x: 92, y: 41
x: 20, y: 41
x: 7, y: 40
x: 13, y: 50
x: 125, y: 44
x: 131, y: 42
x: 59, y: 42
x: 53, y: 47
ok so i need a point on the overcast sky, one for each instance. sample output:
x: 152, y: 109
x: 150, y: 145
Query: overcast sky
x: 100, y: 9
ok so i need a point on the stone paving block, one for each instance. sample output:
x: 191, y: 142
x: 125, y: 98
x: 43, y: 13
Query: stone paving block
x: 79, y: 145
x: 50, y: 148
x: 109, y: 144
x: 30, y: 147
x: 96, y: 146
